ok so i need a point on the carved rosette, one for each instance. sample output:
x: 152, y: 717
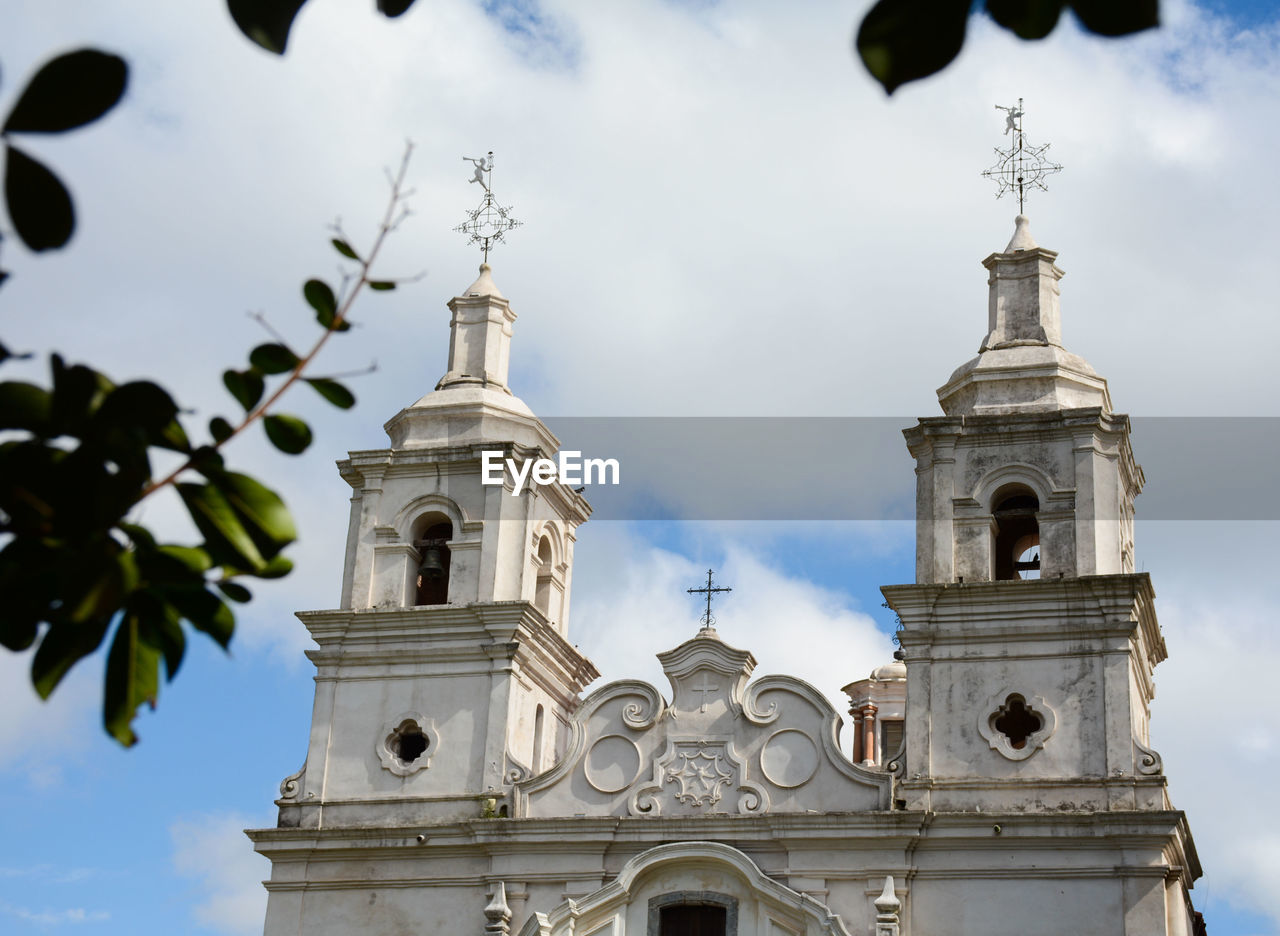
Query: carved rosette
x: 700, y: 770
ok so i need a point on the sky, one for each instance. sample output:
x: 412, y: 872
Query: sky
x: 723, y: 216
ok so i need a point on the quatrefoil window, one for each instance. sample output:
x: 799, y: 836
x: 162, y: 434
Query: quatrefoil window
x: 406, y: 744
x: 1015, y: 724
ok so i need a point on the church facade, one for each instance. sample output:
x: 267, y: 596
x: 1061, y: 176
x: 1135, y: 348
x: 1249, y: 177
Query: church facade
x: 1002, y: 780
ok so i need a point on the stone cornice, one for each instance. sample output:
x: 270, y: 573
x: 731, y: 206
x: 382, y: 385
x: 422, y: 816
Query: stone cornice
x: 488, y: 633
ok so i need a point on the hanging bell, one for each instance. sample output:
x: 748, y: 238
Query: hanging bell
x: 432, y: 567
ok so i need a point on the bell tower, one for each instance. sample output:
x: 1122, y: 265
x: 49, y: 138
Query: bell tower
x: 1030, y: 471
x: 1030, y: 643
x: 444, y: 675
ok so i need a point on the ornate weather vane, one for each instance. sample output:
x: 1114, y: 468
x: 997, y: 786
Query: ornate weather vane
x: 487, y: 224
x: 1022, y: 166
x: 708, y: 622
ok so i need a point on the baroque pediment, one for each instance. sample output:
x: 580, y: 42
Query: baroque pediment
x: 721, y: 745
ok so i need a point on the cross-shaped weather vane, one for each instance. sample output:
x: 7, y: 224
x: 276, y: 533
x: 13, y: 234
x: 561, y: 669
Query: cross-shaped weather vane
x: 1021, y: 166
x: 708, y: 622
x: 487, y: 224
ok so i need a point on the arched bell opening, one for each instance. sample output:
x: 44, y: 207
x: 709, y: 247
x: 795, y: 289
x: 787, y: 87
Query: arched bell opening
x: 1017, y: 533
x: 546, y: 572
x: 433, y: 533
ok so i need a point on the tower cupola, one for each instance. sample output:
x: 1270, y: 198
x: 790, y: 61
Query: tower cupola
x: 1030, y: 473
x: 1022, y: 365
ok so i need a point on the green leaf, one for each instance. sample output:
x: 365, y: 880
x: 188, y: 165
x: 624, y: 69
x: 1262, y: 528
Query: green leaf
x: 332, y: 391
x: 246, y: 386
x: 143, y: 410
x: 320, y: 297
x: 344, y: 248
x: 273, y: 358
x: 78, y: 391
x: 69, y: 91
x: 220, y: 429
x: 166, y: 632
x: 262, y: 512
x: 39, y: 204
x: 192, y: 558
x: 903, y: 40
x: 266, y: 22
x: 63, y: 645
x: 24, y: 406
x: 393, y: 8
x: 278, y: 567
x: 1117, y: 17
x: 142, y: 537
x: 382, y: 285
x: 133, y: 677
x: 218, y: 522
x: 205, y: 610
x: 1030, y: 19
x: 287, y: 433
x: 235, y: 591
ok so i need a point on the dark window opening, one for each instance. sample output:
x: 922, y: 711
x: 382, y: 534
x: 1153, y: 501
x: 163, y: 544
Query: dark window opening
x: 408, y: 743
x: 890, y: 739
x: 1017, y: 546
x: 1016, y: 722
x: 433, y: 568
x: 693, y: 920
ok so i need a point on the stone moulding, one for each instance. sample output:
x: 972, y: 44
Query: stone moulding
x: 999, y: 741
x: 390, y: 760
x: 601, y: 911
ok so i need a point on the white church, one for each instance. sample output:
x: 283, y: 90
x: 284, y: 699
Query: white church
x: 457, y: 780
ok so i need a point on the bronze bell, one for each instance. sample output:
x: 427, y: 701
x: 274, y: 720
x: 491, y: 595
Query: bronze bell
x: 432, y: 566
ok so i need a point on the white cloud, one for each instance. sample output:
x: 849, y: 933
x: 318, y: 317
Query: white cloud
x: 723, y: 215
x: 213, y: 849
x: 32, y: 730
x: 56, y: 917
x: 639, y: 607
x: 1215, y: 720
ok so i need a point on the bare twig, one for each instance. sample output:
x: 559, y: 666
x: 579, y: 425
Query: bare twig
x: 386, y: 226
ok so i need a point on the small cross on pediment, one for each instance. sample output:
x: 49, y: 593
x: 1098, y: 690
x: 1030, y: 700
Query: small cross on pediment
x: 707, y: 686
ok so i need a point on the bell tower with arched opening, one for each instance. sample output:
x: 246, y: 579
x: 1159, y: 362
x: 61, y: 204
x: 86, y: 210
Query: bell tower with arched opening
x: 444, y: 675
x: 1029, y: 640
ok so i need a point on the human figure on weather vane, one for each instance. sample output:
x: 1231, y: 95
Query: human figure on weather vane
x: 482, y: 166
x: 1011, y: 115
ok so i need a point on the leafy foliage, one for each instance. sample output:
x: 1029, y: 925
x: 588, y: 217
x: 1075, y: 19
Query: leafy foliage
x: 904, y: 40
x: 267, y: 22
x: 76, y: 568
x: 67, y: 92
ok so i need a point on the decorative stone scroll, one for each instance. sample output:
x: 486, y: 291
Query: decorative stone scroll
x: 720, y: 746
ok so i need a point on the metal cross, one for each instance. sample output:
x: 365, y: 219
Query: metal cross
x: 1022, y: 166
x: 487, y: 224
x: 707, y: 619
x: 704, y: 689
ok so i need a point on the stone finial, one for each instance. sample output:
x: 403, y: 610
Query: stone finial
x: 479, y: 336
x: 1023, y: 304
x: 497, y: 914
x: 1022, y: 239
x: 484, y: 284
x: 887, y: 907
